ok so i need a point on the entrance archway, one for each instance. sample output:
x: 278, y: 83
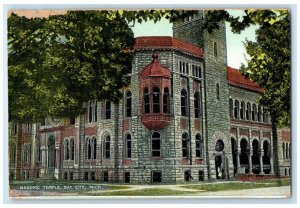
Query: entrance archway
x: 51, y: 154
x: 219, y: 160
x: 266, y: 158
x: 234, y: 154
x: 255, y: 157
x: 244, y: 160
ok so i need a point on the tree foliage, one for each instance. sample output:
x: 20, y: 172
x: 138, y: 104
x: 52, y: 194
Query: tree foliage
x: 57, y: 64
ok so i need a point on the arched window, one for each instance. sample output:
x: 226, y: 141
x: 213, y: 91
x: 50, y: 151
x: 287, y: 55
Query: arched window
x: 72, y: 149
x: 155, y: 144
x: 230, y: 108
x: 166, y: 100
x: 197, y: 105
x: 128, y: 104
x: 236, y: 109
x: 254, y: 112
x: 218, y: 91
x: 107, y: 147
x: 94, y: 142
x: 248, y: 111
x: 107, y: 109
x: 184, y: 145
x: 155, y: 97
x: 283, y: 150
x: 146, y: 101
x: 90, y: 112
x: 183, y: 102
x: 242, y: 111
x: 215, y: 50
x: 128, y: 145
x: 199, y: 145
x: 95, y: 112
x: 219, y: 146
x: 259, y: 114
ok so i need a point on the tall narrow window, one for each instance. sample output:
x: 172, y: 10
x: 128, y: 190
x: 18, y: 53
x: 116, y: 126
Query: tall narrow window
x: 146, y: 101
x: 242, y: 111
x: 107, y: 146
x: 155, y: 144
x: 90, y: 112
x: 166, y: 101
x: 254, y: 112
x: 128, y: 104
x: 95, y: 112
x: 89, y: 148
x: 231, y: 108
x: 107, y: 109
x: 184, y: 145
x: 196, y: 71
x: 236, y: 109
x: 183, y: 102
x: 180, y: 67
x: 259, y: 114
x: 94, y: 142
x: 155, y: 97
x: 128, y: 145
x: 197, y: 105
x: 193, y: 70
x: 72, y: 149
x: 200, y: 72
x: 248, y: 111
x: 67, y: 153
x: 198, y: 146
x: 218, y: 91
x: 215, y: 50
x: 187, y: 68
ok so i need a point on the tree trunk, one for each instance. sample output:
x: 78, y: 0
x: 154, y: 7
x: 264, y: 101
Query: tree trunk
x: 275, y: 146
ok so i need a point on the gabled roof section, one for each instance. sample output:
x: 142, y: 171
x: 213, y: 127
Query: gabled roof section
x: 167, y: 42
x: 235, y: 78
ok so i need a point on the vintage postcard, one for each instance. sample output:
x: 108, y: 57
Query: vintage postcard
x: 149, y: 103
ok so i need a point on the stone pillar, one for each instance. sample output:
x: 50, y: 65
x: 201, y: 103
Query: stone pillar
x: 44, y: 160
x: 250, y: 152
x: 261, y: 164
x: 57, y: 162
x: 33, y: 149
x: 238, y: 150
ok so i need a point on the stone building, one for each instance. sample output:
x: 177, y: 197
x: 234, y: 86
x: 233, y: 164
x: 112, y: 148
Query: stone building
x: 186, y: 116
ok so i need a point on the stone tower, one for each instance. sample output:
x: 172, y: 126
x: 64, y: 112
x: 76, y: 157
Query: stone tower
x: 215, y: 94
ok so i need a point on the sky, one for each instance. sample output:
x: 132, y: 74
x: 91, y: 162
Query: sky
x: 235, y: 48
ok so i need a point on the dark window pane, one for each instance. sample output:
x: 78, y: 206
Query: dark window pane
x: 156, y: 103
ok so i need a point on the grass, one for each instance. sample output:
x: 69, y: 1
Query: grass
x: 239, y: 185
x: 141, y: 192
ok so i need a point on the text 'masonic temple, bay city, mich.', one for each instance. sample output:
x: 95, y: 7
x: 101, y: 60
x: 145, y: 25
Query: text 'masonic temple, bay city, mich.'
x: 185, y: 116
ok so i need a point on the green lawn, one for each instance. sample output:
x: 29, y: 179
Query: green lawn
x: 239, y: 185
x: 141, y: 192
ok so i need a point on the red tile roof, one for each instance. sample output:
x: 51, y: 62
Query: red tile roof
x: 154, y: 69
x: 167, y: 42
x: 235, y: 78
